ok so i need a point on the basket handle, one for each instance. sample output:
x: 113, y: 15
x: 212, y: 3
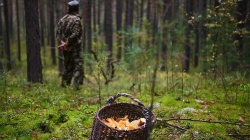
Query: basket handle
x: 112, y: 99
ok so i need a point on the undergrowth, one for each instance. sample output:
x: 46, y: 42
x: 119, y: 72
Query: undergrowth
x: 48, y: 111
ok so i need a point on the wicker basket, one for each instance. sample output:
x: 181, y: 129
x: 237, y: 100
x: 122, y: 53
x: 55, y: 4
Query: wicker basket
x: 101, y: 131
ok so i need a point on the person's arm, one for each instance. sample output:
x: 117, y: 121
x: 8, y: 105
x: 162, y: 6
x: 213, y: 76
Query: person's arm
x: 59, y: 32
x: 76, y: 32
x: 59, y: 36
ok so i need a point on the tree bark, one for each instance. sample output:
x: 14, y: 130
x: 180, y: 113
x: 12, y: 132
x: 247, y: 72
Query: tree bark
x: 154, y: 21
x: 108, y: 30
x: 42, y: 21
x: 10, y: 14
x: 48, y: 3
x: 187, y: 54
x: 149, y: 20
x: 215, y: 6
x: 119, y: 11
x: 128, y: 24
x: 59, y: 14
x: 42, y: 28
x: 1, y: 29
x: 141, y: 13
x: 1, y: 33
x: 247, y: 48
x: 241, y: 18
x: 98, y: 10
x: 175, y: 9
x: 52, y: 32
x: 18, y: 31
x: 129, y: 14
x: 203, y: 31
x: 94, y: 15
x: 84, y: 18
x: 7, y: 34
x: 196, y: 26
x: 167, y: 12
x: 89, y: 26
x: 34, y: 65
x: 149, y: 10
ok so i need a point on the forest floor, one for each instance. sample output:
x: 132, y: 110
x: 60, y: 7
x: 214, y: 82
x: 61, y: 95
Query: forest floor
x: 200, y: 109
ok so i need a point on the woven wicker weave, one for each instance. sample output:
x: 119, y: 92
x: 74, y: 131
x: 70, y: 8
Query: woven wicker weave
x: 101, y: 131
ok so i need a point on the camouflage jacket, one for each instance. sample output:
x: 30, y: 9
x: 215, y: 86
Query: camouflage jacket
x: 70, y: 31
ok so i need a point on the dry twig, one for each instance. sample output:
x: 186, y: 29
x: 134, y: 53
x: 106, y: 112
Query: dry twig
x: 107, y: 80
x: 175, y: 126
x: 239, y: 136
x: 207, y: 121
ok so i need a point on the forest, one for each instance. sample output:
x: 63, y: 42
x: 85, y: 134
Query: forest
x: 187, y: 61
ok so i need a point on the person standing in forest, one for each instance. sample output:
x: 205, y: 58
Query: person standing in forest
x: 69, y: 36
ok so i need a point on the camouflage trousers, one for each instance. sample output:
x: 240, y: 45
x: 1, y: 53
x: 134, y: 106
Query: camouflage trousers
x: 73, y: 68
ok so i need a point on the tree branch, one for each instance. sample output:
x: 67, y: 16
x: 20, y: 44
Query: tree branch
x: 102, y: 71
x: 166, y: 121
x: 239, y: 136
x: 207, y: 121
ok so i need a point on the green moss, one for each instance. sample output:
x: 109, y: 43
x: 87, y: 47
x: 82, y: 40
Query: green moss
x: 209, y: 127
x: 8, y: 129
x: 47, y: 111
x: 44, y: 136
x: 25, y: 138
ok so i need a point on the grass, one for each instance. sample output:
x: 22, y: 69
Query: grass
x: 47, y: 111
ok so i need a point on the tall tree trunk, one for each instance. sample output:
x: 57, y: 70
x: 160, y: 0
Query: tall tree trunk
x: 149, y: 9
x: 141, y: 13
x: 154, y: 21
x: 108, y: 30
x: 167, y: 12
x: 52, y: 33
x: 149, y: 20
x: 42, y: 21
x: 48, y: 10
x: 34, y: 68
x: 247, y: 48
x: 187, y: 55
x: 89, y: 26
x: 84, y: 17
x: 119, y: 11
x: 7, y: 35
x: 10, y: 14
x: 18, y: 31
x: 42, y: 28
x: 1, y: 33
x: 94, y: 15
x: 99, y: 14
x: 203, y: 31
x: 196, y: 26
x: 215, y: 46
x: 128, y: 24
x: 137, y: 9
x: 175, y: 9
x: 1, y: 28
x: 157, y: 52
x: 129, y: 15
x: 59, y: 14
x: 241, y: 18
